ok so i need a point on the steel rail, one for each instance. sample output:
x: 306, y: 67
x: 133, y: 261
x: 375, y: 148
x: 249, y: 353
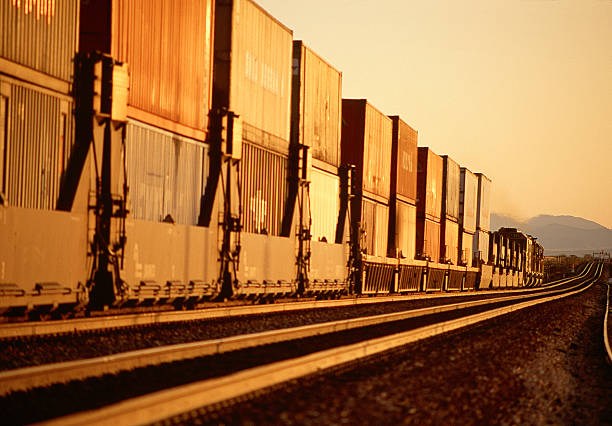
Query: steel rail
x: 44, y: 375
x: 164, y: 404
x: 40, y: 328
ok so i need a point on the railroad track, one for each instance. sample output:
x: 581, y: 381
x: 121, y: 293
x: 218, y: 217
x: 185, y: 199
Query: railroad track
x: 41, y: 328
x: 231, y: 386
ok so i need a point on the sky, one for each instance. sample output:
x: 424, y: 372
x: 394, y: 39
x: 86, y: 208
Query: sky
x: 520, y: 90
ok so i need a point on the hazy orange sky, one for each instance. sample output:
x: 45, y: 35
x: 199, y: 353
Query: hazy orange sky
x: 520, y: 90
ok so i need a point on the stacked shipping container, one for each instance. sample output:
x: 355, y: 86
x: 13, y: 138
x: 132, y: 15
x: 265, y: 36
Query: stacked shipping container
x: 402, y: 210
x: 449, y: 232
x: 429, y: 204
x: 468, y: 200
x: 483, y: 219
x: 316, y: 125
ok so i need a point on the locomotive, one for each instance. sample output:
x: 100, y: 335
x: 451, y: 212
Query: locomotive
x: 156, y: 152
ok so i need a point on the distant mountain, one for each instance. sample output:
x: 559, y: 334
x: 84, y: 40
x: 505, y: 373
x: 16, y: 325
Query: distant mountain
x: 561, y: 234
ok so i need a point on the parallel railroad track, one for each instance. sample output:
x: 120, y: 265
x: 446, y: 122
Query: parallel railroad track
x: 167, y: 403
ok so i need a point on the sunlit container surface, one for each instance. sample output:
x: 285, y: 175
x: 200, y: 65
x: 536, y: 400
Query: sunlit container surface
x: 428, y: 239
x: 404, y: 160
x: 451, y: 188
x: 41, y: 35
x: 481, y: 246
x: 483, y: 216
x: 449, y: 241
x: 429, y: 184
x: 165, y: 174
x: 366, y: 143
x: 374, y: 223
x: 468, y: 200
x: 402, y: 230
x: 36, y: 138
x: 465, y: 249
x: 264, y: 190
x: 253, y: 60
x: 324, y: 205
x: 168, y: 48
x: 317, y: 104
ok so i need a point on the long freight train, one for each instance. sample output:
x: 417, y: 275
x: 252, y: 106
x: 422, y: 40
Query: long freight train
x: 177, y: 152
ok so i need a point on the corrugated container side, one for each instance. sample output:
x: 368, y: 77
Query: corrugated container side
x: 377, y: 152
x: 405, y: 230
x: 173, y: 81
x: 324, y: 205
x: 468, y: 200
x: 41, y: 34
x: 429, y: 184
x: 404, y: 159
x: 466, y: 248
x: 483, y: 220
x: 452, y: 184
x: 450, y: 241
x: 165, y: 174
x: 374, y: 226
x: 428, y: 239
x: 481, y: 246
x: 261, y: 66
x: 264, y: 190
x: 39, y: 139
x: 320, y: 92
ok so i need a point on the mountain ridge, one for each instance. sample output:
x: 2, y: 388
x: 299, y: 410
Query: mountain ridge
x: 563, y: 234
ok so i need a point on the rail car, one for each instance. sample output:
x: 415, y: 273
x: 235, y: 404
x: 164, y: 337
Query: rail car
x: 174, y: 153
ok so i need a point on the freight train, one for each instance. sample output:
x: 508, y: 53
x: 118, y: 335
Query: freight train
x: 157, y: 152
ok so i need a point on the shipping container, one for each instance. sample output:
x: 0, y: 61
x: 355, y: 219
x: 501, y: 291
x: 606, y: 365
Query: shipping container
x: 39, y: 35
x: 253, y: 71
x: 165, y: 174
x: 465, y: 248
x: 168, y: 48
x: 404, y: 160
x: 366, y: 144
x: 324, y: 194
x: 36, y: 128
x: 428, y: 240
x: 374, y: 227
x: 402, y: 230
x: 264, y: 190
x: 481, y: 247
x: 316, y: 104
x: 483, y: 216
x: 449, y: 242
x: 451, y: 189
x: 429, y: 184
x: 468, y: 200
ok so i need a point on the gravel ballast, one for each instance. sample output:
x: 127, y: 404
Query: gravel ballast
x: 544, y: 364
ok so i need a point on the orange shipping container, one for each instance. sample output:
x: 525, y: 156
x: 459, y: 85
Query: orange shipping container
x: 451, y: 189
x: 404, y: 160
x: 316, y: 104
x: 483, y: 217
x: 429, y: 185
x: 449, y: 241
x: 366, y: 143
x: 428, y: 239
x: 168, y: 49
x: 468, y: 200
x: 253, y: 62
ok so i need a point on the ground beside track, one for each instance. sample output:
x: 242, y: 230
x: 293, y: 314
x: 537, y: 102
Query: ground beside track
x: 544, y: 364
